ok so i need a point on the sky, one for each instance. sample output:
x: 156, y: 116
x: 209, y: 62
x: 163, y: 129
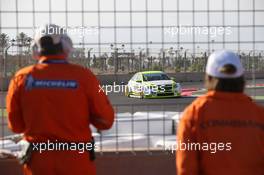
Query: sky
x: 142, y: 23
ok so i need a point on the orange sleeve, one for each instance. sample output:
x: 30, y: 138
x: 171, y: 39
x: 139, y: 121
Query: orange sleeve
x: 13, y: 106
x: 101, y: 111
x: 186, y: 160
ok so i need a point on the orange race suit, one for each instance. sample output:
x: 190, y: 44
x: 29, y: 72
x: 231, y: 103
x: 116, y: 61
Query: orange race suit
x: 56, y: 101
x: 223, y: 134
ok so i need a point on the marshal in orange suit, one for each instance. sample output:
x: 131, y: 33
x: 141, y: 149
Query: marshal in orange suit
x: 224, y: 119
x: 57, y: 101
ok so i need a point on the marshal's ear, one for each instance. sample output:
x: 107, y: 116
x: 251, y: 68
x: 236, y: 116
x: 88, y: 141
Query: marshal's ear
x: 209, y: 82
x: 35, y: 50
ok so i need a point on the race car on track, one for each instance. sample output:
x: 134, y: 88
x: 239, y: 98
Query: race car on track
x: 152, y: 84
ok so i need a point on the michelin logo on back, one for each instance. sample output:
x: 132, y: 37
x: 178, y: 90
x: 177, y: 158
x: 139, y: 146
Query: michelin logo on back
x: 32, y: 83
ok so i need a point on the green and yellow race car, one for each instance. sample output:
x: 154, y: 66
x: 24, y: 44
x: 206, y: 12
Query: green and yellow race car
x: 152, y: 84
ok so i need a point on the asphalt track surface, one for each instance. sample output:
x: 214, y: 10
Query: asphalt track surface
x: 121, y: 99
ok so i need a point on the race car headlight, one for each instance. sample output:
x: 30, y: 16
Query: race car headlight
x: 177, y: 86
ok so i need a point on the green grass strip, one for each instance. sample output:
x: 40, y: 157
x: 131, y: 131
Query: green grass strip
x: 3, y: 112
x: 258, y: 97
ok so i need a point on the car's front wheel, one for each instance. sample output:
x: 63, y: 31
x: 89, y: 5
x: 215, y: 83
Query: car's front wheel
x: 127, y: 92
x: 141, y: 95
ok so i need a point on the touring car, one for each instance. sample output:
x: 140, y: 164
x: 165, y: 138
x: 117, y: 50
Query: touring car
x: 152, y: 84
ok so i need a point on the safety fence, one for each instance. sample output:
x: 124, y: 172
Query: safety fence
x: 121, y: 36
x: 126, y: 36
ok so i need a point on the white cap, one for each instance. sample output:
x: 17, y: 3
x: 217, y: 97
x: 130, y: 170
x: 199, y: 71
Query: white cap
x: 219, y: 59
x: 58, y: 35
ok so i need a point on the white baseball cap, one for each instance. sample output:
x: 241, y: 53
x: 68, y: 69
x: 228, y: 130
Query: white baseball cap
x: 58, y: 35
x: 219, y: 59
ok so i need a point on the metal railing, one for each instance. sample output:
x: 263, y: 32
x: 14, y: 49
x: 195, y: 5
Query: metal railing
x: 126, y: 36
x: 137, y: 127
x: 141, y: 127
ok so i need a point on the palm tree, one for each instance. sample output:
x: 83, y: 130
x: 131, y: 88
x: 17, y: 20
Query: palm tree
x: 4, y: 39
x: 22, y: 41
x: 21, y: 38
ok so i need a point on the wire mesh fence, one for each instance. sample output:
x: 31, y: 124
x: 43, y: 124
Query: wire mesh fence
x: 124, y: 36
x: 121, y: 36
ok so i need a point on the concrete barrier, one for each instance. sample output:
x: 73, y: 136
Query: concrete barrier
x: 123, y: 163
x: 179, y: 77
x: 10, y: 167
x: 124, y: 78
x: 146, y: 123
x: 142, y: 163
